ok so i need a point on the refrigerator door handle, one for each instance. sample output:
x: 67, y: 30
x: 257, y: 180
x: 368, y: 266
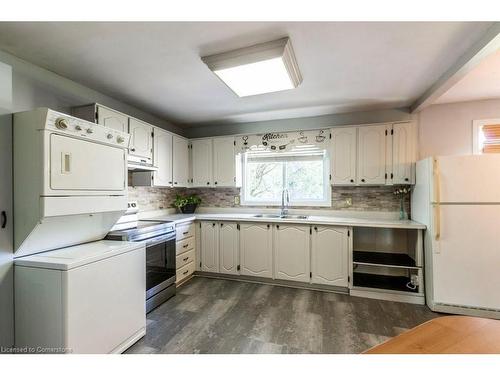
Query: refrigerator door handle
x: 437, y: 201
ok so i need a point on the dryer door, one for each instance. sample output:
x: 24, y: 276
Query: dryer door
x: 80, y: 165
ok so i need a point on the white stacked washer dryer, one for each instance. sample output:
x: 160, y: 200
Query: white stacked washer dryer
x: 73, y: 292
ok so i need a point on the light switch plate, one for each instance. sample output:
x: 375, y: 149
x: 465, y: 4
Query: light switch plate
x: 237, y: 199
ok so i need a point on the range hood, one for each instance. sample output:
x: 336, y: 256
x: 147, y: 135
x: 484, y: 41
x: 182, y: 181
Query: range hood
x: 140, y: 167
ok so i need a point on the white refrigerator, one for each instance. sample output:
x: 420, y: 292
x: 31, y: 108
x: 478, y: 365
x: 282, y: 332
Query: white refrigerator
x: 458, y: 198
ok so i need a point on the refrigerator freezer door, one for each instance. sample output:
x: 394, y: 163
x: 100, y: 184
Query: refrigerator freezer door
x: 466, y: 258
x: 468, y: 179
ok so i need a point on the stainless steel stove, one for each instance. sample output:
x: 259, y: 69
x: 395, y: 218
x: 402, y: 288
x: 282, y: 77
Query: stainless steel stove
x: 159, y: 238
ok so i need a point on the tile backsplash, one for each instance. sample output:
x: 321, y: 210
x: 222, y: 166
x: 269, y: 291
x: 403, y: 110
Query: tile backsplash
x: 364, y: 198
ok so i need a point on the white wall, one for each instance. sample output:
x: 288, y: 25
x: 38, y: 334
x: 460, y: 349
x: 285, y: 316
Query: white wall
x: 446, y: 129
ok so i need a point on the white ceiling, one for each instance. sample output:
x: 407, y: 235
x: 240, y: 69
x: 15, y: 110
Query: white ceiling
x: 482, y: 82
x: 346, y: 67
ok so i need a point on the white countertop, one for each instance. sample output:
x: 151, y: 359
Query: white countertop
x: 311, y: 220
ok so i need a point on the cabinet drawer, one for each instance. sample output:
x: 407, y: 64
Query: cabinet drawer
x: 184, y: 258
x: 184, y: 245
x: 184, y: 231
x: 184, y: 272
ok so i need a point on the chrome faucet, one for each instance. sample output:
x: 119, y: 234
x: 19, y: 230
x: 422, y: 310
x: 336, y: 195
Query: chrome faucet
x: 284, y: 205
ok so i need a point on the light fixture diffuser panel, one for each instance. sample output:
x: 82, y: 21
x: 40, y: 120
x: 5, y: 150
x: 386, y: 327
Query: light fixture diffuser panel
x: 257, y: 78
x: 259, y: 69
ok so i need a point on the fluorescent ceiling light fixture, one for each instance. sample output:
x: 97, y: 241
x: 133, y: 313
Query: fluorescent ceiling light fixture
x: 259, y: 69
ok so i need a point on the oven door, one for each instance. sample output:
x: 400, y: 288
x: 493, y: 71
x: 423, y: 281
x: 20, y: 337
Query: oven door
x: 78, y: 166
x: 160, y: 264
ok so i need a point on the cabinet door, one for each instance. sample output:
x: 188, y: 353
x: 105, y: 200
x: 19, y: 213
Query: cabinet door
x: 329, y: 256
x: 141, y: 139
x: 291, y: 252
x: 371, y: 155
x: 229, y: 248
x: 209, y: 247
x: 343, y: 152
x: 180, y: 158
x: 224, y: 162
x: 256, y: 250
x: 201, y: 153
x: 112, y: 119
x: 162, y: 158
x: 403, y: 153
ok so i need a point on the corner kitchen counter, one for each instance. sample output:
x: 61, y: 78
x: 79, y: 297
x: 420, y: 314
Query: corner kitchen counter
x: 311, y: 220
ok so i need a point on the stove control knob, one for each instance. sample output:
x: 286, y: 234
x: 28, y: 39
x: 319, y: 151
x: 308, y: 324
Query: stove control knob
x: 61, y: 124
x: 78, y: 127
x: 120, y: 139
x: 109, y: 136
x: 90, y: 130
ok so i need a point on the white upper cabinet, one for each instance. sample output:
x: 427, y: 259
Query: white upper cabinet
x: 329, y: 256
x: 229, y: 248
x: 343, y: 156
x: 180, y: 160
x: 112, y: 119
x: 141, y: 140
x: 224, y: 168
x: 372, y: 155
x: 256, y: 250
x: 162, y: 158
x: 291, y: 252
x: 403, y: 153
x: 209, y: 247
x: 201, y: 154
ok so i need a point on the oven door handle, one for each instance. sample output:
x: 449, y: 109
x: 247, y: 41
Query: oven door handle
x: 159, y: 239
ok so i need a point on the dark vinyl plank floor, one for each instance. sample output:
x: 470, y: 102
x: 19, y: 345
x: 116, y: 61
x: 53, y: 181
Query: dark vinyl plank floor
x: 223, y: 316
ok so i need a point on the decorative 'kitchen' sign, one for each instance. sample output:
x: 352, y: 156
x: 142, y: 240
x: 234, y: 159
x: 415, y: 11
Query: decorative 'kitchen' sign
x: 282, y: 141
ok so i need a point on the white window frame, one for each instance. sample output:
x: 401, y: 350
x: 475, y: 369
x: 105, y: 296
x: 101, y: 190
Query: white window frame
x: 327, y: 202
x: 476, y: 128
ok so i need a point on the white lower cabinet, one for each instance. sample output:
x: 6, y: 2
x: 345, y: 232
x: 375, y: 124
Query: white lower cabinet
x: 292, y: 252
x: 209, y: 247
x: 229, y: 248
x: 256, y: 250
x: 329, y: 255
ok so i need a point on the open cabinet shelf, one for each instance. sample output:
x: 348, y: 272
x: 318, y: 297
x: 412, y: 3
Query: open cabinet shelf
x: 386, y: 282
x: 373, y: 258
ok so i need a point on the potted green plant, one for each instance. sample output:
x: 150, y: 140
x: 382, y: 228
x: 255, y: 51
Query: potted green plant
x: 187, y: 204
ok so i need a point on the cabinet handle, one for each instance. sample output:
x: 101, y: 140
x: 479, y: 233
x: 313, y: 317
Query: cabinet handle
x: 186, y: 245
x: 184, y: 233
x: 316, y: 229
x: 4, y: 219
x: 185, y: 272
x: 170, y: 182
x: 175, y: 183
x: 186, y: 258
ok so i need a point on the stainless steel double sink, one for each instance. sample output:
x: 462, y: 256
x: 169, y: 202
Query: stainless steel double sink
x: 277, y: 216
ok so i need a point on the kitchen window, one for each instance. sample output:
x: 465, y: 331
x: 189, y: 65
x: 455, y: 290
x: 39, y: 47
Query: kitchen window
x: 304, y: 172
x: 486, y: 136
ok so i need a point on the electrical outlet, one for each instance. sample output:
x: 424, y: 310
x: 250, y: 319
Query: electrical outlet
x: 348, y: 202
x: 237, y: 200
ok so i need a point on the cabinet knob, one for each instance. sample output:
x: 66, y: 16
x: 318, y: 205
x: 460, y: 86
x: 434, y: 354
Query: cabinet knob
x: 175, y: 183
x: 213, y: 224
x: 268, y: 226
x: 316, y: 229
x: 221, y: 224
x: 132, y: 149
x: 277, y: 227
x: 362, y: 180
x: 208, y: 183
x: 215, y: 182
x: 407, y: 179
x: 352, y: 180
